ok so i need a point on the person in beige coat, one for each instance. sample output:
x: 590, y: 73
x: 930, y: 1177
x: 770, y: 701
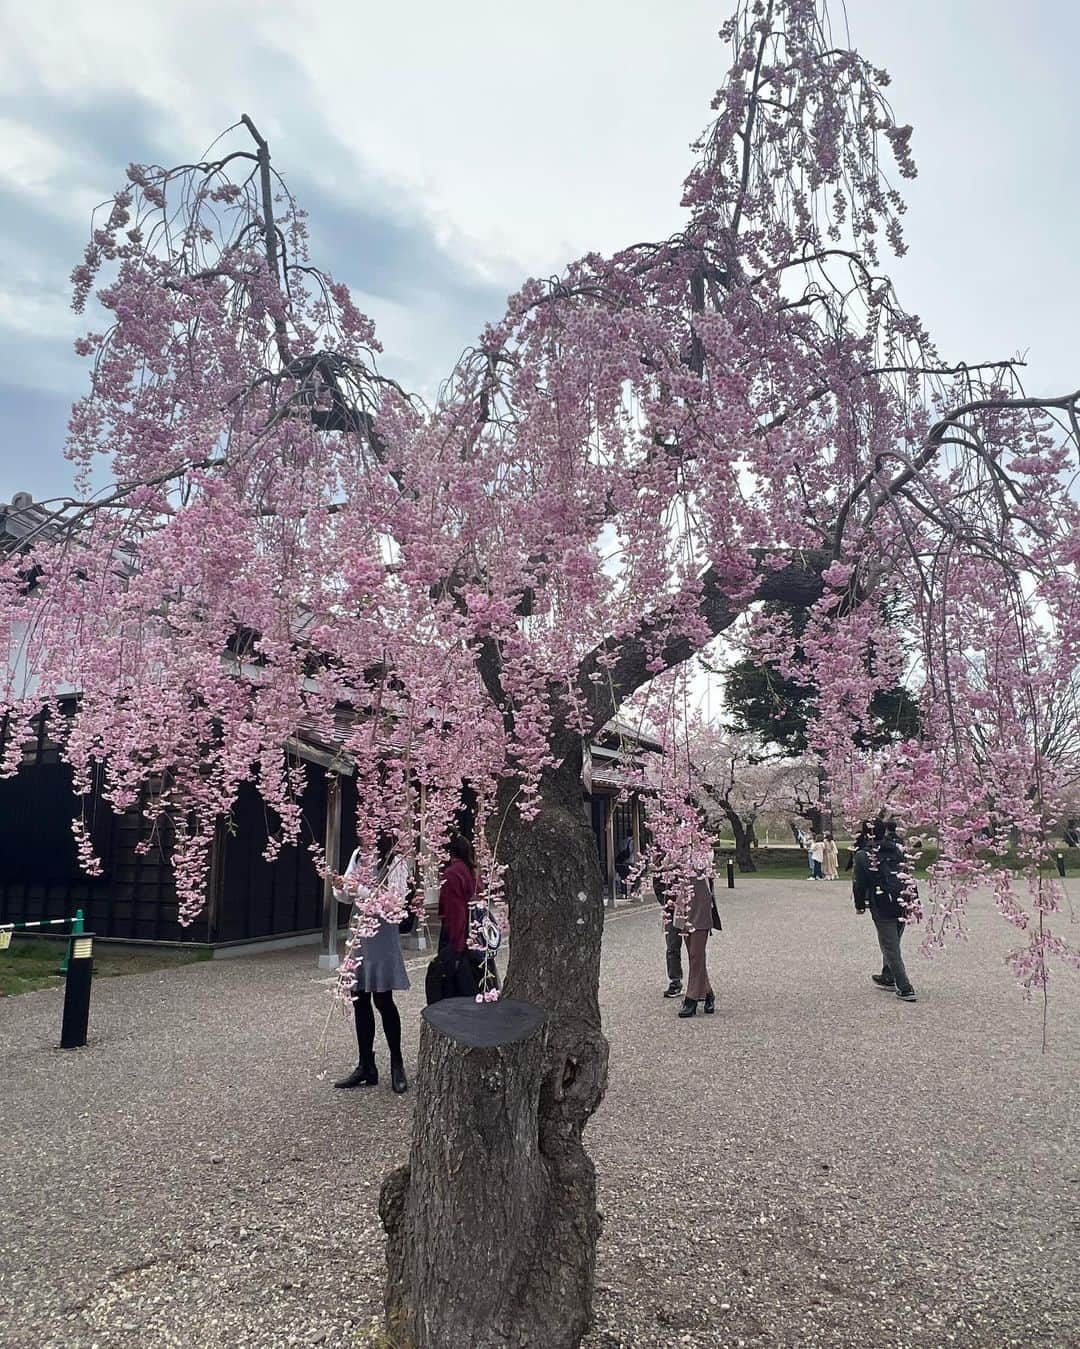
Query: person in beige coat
x: 829, y: 858
x: 696, y: 926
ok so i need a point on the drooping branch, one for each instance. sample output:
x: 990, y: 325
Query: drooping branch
x: 270, y: 232
x: 936, y: 440
x: 751, y: 112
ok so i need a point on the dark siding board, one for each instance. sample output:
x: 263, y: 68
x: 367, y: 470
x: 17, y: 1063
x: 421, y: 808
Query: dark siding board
x: 233, y: 871
x: 228, y: 862
x: 261, y: 908
x: 307, y: 903
x: 121, y: 916
x: 296, y: 908
x: 297, y: 876
x: 285, y: 889
x: 39, y: 875
x: 108, y: 903
x: 265, y: 899
x: 255, y: 836
x: 36, y: 808
x: 136, y: 896
x: 247, y: 892
x: 165, y: 890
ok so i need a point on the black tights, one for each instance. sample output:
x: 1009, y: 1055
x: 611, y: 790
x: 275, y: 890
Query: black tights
x: 365, y: 1023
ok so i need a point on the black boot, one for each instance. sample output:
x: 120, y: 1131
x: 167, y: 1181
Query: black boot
x: 710, y: 1004
x: 363, y: 1075
x: 689, y: 1007
x: 398, y: 1080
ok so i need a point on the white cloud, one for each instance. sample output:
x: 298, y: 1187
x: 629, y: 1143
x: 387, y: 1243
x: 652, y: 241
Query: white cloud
x: 29, y: 160
x: 522, y: 135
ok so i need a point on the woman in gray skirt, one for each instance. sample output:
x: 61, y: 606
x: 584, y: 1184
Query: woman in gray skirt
x: 379, y: 972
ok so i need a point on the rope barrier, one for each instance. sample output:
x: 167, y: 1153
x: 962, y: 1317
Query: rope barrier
x: 37, y: 922
x: 78, y: 971
x: 32, y: 924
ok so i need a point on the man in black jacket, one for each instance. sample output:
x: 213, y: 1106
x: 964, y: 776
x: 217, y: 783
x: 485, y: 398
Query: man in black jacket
x: 877, y: 885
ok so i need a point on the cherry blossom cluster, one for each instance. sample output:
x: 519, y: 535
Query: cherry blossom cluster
x: 630, y: 460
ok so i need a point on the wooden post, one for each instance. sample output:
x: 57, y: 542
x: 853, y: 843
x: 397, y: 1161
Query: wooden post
x: 609, y: 843
x: 215, y: 888
x: 328, y: 956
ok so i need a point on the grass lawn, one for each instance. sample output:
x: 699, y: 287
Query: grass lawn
x: 787, y: 863
x: 30, y: 963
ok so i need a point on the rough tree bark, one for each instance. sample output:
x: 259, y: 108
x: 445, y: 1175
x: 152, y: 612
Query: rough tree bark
x: 744, y: 837
x: 523, y: 1107
x: 482, y: 1081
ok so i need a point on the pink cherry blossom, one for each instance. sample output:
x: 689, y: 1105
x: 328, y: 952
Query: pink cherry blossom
x: 630, y: 459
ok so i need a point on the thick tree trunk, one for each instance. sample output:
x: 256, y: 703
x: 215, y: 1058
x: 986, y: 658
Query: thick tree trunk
x: 824, y: 821
x: 744, y: 858
x: 812, y: 815
x: 483, y: 1074
x: 499, y: 1190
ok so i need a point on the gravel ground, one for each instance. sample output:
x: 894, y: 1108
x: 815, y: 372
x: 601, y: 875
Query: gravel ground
x: 817, y: 1164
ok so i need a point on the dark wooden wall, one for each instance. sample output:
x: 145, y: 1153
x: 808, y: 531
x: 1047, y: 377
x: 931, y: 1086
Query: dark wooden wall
x: 261, y: 898
x: 135, y: 896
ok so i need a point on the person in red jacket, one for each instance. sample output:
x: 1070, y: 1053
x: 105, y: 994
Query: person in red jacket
x: 455, y: 896
x: 453, y: 973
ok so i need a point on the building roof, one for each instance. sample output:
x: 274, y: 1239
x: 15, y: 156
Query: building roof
x: 21, y: 519
x: 627, y: 732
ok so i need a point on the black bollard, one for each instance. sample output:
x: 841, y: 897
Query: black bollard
x: 1061, y: 864
x: 77, y: 992
x: 731, y: 873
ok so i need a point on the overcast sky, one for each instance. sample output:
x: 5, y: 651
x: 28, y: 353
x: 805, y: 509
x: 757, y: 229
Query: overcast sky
x: 447, y: 151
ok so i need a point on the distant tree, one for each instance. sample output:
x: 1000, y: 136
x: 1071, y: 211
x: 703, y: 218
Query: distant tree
x: 736, y: 780
x: 777, y: 707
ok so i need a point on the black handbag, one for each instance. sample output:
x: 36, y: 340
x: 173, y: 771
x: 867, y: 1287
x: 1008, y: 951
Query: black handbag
x: 717, y: 924
x: 433, y: 982
x: 450, y: 975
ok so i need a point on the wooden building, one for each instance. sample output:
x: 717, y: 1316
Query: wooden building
x: 248, y: 898
x: 617, y: 802
x: 134, y: 898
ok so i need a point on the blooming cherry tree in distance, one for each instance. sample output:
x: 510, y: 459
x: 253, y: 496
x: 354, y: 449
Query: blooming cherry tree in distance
x: 633, y: 458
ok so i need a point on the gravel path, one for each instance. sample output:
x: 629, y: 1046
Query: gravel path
x: 817, y: 1164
